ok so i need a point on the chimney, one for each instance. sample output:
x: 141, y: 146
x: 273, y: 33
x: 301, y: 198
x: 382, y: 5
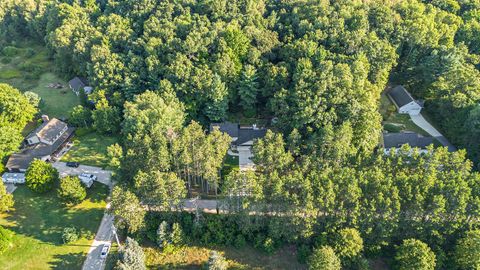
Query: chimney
x: 45, y: 118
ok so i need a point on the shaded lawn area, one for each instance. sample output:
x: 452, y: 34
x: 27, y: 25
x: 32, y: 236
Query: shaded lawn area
x: 395, y: 122
x: 30, y: 69
x: 90, y: 149
x: 38, y: 221
x: 194, y: 257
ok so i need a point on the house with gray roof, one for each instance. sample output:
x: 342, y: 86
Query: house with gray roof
x: 404, y: 102
x: 78, y: 84
x: 43, y: 143
x: 394, y: 141
x: 241, y: 135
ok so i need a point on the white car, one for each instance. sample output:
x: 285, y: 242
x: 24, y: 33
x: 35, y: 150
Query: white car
x: 105, y: 250
x: 87, y: 179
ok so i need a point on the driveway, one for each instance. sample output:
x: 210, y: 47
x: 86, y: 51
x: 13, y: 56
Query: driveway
x: 10, y: 187
x: 103, y: 176
x: 420, y: 121
x: 104, y: 235
x: 245, y: 158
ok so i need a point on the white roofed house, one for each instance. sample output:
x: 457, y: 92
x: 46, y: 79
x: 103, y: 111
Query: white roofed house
x: 42, y: 143
x: 404, y: 101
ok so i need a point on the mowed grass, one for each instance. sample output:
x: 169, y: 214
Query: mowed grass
x: 31, y: 69
x: 55, y: 102
x: 38, y: 220
x: 394, y: 121
x: 90, y: 149
x: 195, y: 257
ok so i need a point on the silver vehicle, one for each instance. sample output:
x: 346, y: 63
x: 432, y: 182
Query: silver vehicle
x: 105, y: 250
x: 87, y: 179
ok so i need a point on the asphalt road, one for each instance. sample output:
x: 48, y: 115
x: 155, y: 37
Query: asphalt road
x: 104, y: 235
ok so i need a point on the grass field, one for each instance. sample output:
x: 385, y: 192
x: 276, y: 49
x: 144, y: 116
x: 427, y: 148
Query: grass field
x: 90, y: 149
x: 28, y: 68
x: 38, y: 221
x: 194, y: 257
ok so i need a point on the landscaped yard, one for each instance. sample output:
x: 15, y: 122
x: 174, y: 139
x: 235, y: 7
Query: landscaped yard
x: 38, y: 221
x: 28, y: 68
x: 194, y: 257
x: 90, y: 149
x: 395, y: 122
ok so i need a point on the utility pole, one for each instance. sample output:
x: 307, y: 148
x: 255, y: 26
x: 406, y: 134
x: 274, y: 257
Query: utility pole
x: 116, y: 236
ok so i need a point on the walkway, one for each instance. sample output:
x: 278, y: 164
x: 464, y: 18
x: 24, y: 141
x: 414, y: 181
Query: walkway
x: 420, y: 121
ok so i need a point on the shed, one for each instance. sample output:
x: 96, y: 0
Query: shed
x: 77, y: 84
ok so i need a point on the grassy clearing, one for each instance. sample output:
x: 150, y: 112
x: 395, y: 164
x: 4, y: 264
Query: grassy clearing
x: 194, y: 257
x: 55, y: 102
x: 28, y: 68
x: 38, y: 221
x: 90, y: 149
x: 395, y: 122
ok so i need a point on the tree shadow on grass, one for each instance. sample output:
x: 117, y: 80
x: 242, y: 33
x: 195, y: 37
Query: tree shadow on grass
x: 43, y: 216
x: 67, y: 261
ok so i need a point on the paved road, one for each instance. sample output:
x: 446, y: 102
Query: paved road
x: 420, y: 121
x: 104, y: 235
x: 103, y: 176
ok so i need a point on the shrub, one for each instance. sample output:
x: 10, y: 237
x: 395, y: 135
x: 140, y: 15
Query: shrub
x: 414, y: 254
x: 29, y: 52
x: 303, y: 252
x: 33, y: 98
x: 177, y: 237
x: 41, y: 176
x: 5, y: 239
x: 71, y: 190
x: 240, y: 241
x: 392, y: 128
x: 467, y: 251
x: 83, y: 131
x: 6, y: 60
x: 162, y: 234
x: 324, y: 258
x: 69, y: 235
x: 10, y: 51
x: 268, y: 245
x: 216, y: 261
x: 131, y: 256
x: 349, y: 244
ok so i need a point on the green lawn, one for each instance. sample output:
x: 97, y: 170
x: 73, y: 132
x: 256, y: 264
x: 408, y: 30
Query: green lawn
x: 30, y: 69
x: 395, y: 122
x: 90, y: 149
x: 38, y: 221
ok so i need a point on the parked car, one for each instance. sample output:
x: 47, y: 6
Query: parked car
x: 87, y: 179
x: 13, y: 178
x: 72, y: 164
x: 105, y: 250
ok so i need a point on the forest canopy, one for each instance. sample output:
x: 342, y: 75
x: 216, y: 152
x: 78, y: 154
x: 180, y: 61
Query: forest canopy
x: 164, y: 70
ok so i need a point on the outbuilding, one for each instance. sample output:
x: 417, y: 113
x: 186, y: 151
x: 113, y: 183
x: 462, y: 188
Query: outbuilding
x: 404, y: 101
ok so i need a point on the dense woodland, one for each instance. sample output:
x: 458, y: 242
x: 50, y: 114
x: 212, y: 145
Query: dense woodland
x: 163, y: 70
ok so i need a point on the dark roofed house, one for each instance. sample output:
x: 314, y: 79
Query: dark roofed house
x: 43, y: 143
x: 241, y: 136
x: 404, y: 101
x: 393, y: 141
x: 77, y: 84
